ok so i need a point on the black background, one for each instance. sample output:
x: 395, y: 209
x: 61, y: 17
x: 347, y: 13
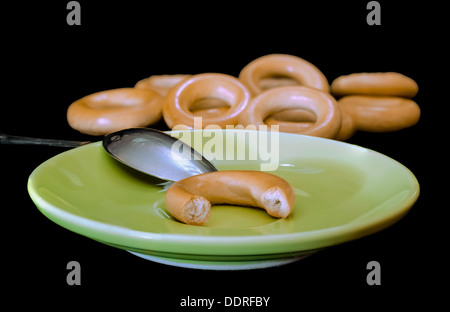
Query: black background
x: 48, y: 64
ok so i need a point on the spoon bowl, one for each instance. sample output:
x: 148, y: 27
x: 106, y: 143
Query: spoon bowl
x: 156, y: 153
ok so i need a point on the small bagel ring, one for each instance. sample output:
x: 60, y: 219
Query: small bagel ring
x: 386, y: 84
x: 323, y: 105
x: 160, y: 83
x: 380, y: 113
x: 205, y: 87
x: 112, y: 110
x: 189, y: 200
x: 283, y: 67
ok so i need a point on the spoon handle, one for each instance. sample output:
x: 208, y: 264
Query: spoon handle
x: 12, y: 139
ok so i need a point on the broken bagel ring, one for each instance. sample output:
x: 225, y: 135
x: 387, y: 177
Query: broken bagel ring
x: 189, y: 200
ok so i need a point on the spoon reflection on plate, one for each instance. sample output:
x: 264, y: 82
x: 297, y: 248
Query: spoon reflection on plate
x: 146, y: 150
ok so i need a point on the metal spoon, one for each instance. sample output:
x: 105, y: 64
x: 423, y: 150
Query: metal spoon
x: 156, y: 153
x: 147, y: 150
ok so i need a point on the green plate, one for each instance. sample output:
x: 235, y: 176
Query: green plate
x: 344, y: 192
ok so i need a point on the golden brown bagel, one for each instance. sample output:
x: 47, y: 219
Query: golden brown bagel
x: 182, y: 98
x: 322, y: 105
x: 189, y: 200
x: 112, y: 110
x: 380, y: 113
x: 275, y: 70
x: 389, y: 84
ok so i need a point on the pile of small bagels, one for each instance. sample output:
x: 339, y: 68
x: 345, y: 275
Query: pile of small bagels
x: 275, y: 89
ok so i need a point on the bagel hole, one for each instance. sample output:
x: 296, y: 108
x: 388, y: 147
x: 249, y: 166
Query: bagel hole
x: 209, y: 105
x: 275, y: 81
x: 293, y: 115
